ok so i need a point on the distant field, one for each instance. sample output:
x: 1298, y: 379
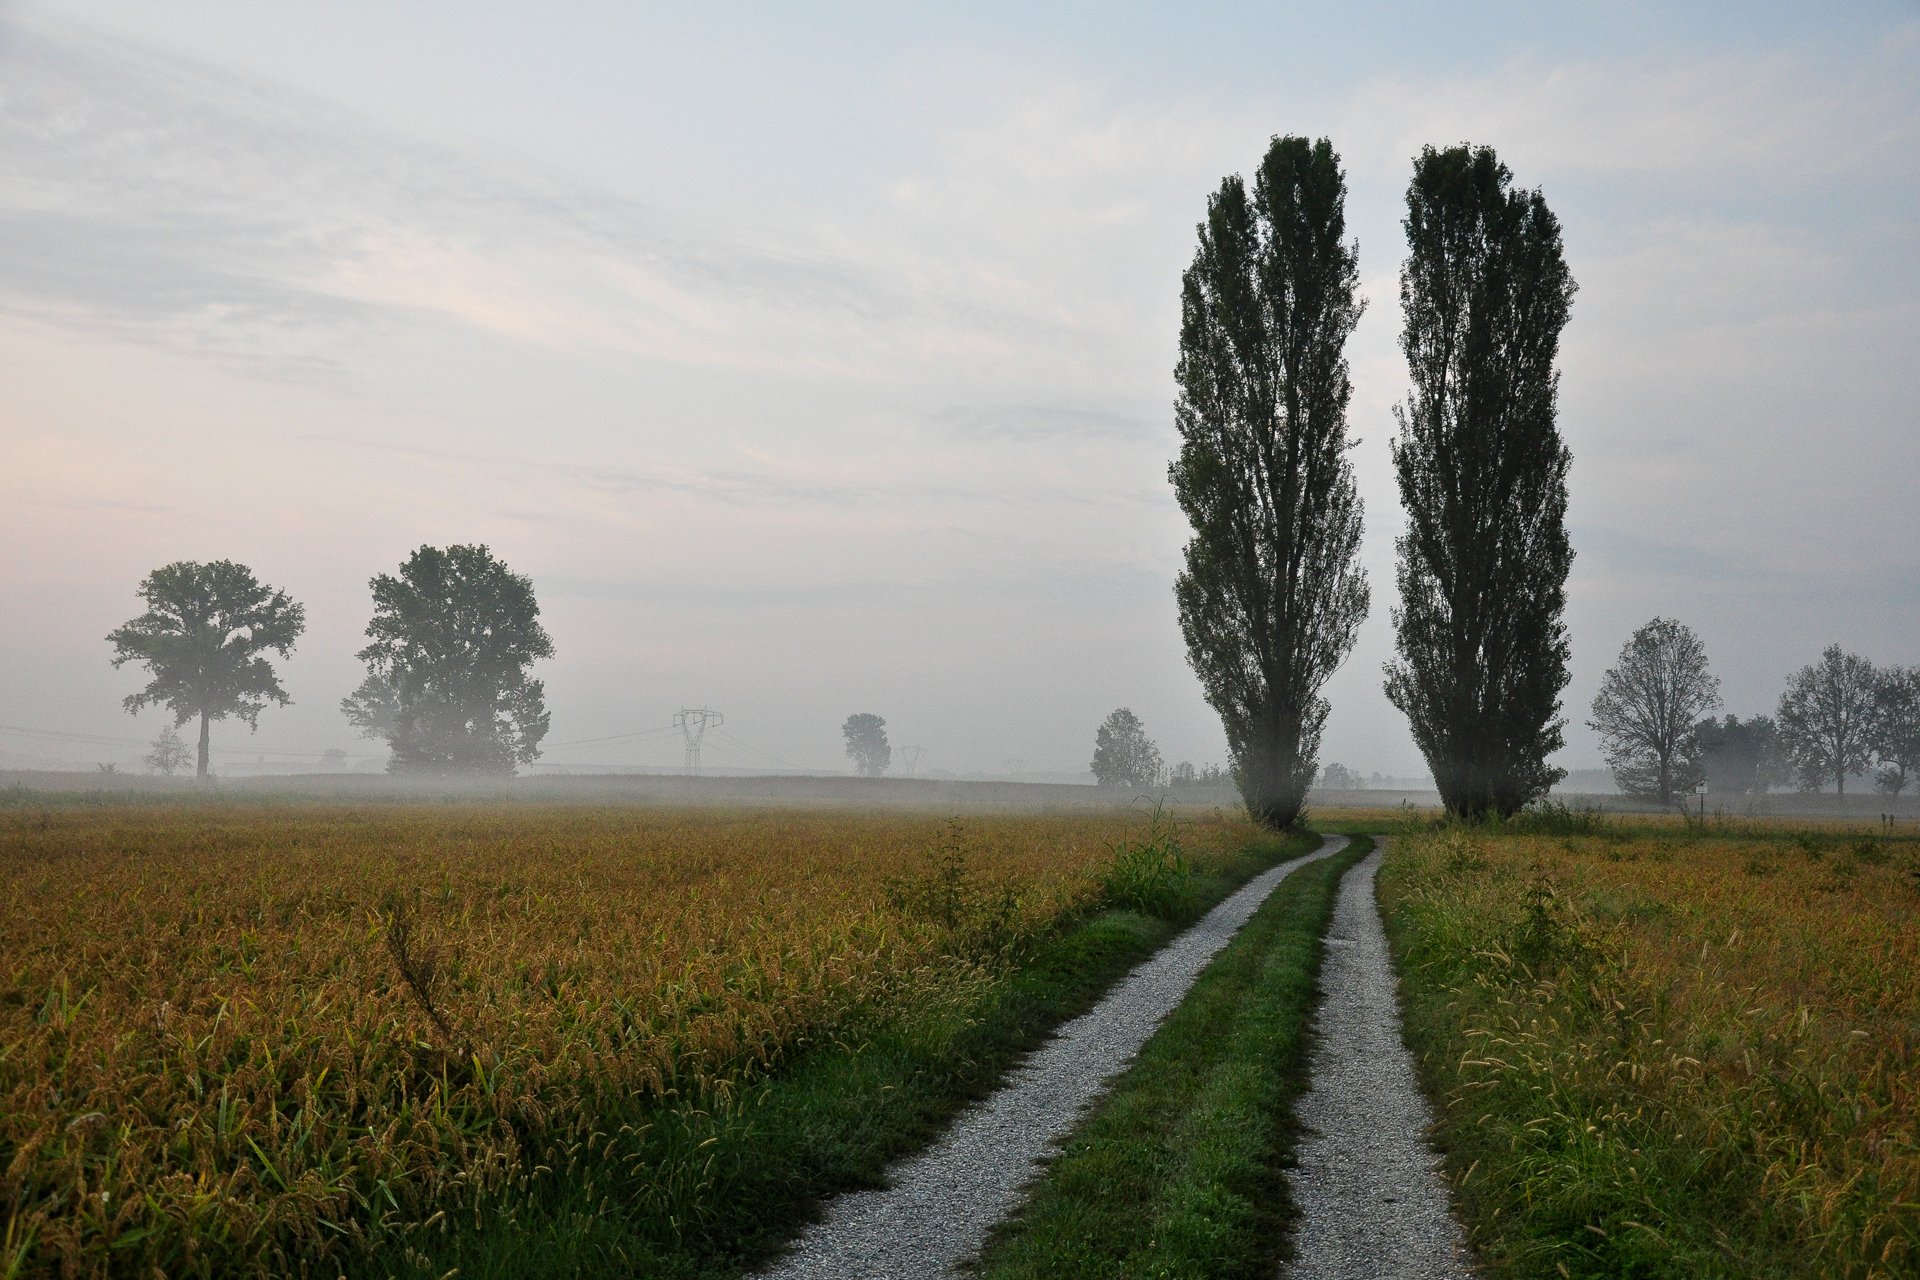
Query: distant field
x: 1671, y: 1050
x: 273, y: 1039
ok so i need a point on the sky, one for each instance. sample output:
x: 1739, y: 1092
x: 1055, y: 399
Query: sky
x: 815, y: 359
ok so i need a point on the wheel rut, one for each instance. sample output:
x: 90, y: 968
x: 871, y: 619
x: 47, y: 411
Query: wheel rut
x: 1373, y: 1204
x: 940, y: 1204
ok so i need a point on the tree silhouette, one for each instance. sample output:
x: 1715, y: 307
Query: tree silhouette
x: 1483, y: 477
x: 1826, y: 719
x: 1271, y: 596
x: 202, y: 638
x: 453, y: 636
x: 1647, y: 710
x: 1123, y: 754
x: 867, y: 745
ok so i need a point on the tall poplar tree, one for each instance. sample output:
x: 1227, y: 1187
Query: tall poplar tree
x: 1483, y: 477
x: 1271, y: 595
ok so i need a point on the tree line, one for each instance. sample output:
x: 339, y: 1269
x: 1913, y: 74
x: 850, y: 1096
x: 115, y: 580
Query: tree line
x: 1837, y: 718
x: 453, y: 634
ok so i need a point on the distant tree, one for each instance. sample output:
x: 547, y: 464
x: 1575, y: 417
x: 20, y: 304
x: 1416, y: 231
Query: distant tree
x: 1123, y: 754
x: 1895, y: 736
x: 1826, y: 719
x: 1184, y: 774
x: 202, y: 637
x: 1647, y: 709
x: 1483, y: 477
x: 1740, y: 758
x: 453, y: 636
x: 333, y: 759
x: 1272, y: 593
x: 170, y: 754
x: 1337, y: 777
x: 867, y: 744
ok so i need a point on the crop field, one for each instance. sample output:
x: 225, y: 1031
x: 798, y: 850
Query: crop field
x: 1671, y: 1050
x: 287, y: 1039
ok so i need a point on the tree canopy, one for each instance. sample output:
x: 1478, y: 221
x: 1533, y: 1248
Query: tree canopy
x: 1271, y: 595
x: 204, y: 639
x: 1123, y: 754
x: 1740, y: 757
x: 1482, y: 473
x: 1894, y: 737
x: 1647, y: 710
x: 867, y: 744
x: 1826, y: 719
x: 454, y: 633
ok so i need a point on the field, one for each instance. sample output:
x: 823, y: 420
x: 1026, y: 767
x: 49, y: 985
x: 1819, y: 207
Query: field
x: 1670, y: 1050
x: 307, y: 1039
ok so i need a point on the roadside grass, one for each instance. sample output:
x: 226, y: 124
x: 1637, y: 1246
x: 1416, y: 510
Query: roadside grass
x: 302, y: 1039
x: 1178, y: 1171
x: 1661, y: 1051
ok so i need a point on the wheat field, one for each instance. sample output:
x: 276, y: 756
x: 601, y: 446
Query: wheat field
x: 272, y: 1039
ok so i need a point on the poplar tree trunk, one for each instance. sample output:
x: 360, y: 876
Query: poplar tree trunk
x: 206, y: 734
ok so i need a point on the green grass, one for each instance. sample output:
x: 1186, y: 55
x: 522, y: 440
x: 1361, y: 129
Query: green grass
x: 832, y: 1122
x: 1661, y: 1056
x: 1178, y: 1172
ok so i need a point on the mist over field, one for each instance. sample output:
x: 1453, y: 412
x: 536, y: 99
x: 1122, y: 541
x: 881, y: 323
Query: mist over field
x: 820, y: 362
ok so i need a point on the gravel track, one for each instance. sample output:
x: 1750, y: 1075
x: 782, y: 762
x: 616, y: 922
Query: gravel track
x: 939, y: 1204
x: 1373, y: 1204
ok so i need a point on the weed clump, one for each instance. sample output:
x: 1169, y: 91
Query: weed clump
x: 1150, y: 874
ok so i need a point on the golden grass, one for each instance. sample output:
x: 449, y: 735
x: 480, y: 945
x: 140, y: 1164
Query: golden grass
x: 1671, y: 1054
x: 210, y: 1062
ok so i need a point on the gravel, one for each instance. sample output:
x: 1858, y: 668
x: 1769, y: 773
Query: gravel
x: 939, y: 1205
x: 1373, y: 1204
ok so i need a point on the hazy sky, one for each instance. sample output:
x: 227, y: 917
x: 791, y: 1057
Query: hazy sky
x: 818, y: 359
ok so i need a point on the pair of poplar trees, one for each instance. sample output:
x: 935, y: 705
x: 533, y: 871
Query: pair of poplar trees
x: 1272, y: 594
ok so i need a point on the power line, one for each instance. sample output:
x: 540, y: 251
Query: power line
x: 768, y: 756
x: 616, y: 737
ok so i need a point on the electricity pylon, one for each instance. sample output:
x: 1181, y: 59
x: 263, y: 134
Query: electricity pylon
x: 693, y: 723
x: 910, y: 756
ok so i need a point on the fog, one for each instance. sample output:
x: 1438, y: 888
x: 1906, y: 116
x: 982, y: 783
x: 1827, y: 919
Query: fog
x: 821, y: 363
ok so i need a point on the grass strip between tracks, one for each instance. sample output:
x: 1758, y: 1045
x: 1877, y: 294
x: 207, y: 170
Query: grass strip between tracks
x: 1179, y: 1171
x: 831, y: 1123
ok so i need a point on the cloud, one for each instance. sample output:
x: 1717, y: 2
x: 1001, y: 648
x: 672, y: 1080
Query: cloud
x: 1043, y: 424
x: 1776, y: 117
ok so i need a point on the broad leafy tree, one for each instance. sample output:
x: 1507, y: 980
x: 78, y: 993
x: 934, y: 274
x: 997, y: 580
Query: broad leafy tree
x: 454, y: 633
x: 1340, y: 778
x: 1826, y: 719
x: 1123, y: 754
x: 1271, y: 595
x: 1740, y: 757
x: 1482, y: 473
x: 204, y: 638
x: 1895, y: 737
x: 1647, y: 710
x: 867, y: 744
